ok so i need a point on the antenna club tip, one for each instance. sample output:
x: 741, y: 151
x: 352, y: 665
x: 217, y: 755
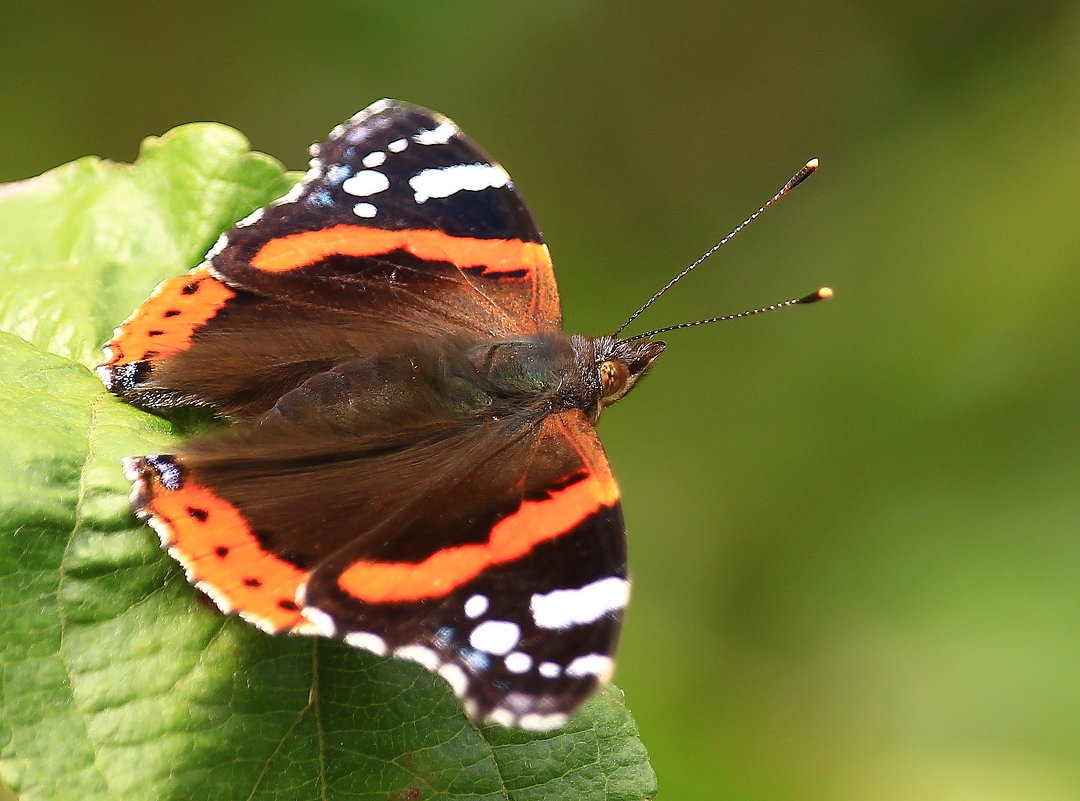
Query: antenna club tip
x: 822, y: 294
x: 805, y: 172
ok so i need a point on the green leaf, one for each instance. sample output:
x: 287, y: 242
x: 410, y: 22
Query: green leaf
x: 116, y: 680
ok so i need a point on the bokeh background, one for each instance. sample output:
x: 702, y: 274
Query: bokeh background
x: 855, y: 527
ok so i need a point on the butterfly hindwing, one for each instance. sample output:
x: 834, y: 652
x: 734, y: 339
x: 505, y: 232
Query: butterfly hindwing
x: 212, y: 539
x: 492, y: 554
x: 520, y: 615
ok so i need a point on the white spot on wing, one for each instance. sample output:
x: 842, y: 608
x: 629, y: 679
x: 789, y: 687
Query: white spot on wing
x: 455, y: 677
x: 476, y: 606
x: 218, y: 246
x: 397, y: 145
x: 538, y: 722
x: 365, y: 210
x: 549, y: 670
x: 439, y: 135
x: 367, y: 641
x: 375, y: 108
x: 561, y: 609
x: 322, y: 621
x: 446, y: 181
x: 518, y: 662
x: 375, y: 158
x: 307, y: 629
x: 495, y: 637
x: 293, y: 194
x: 420, y: 654
x: 366, y: 182
x: 591, y: 665
x: 503, y: 717
x: 254, y: 217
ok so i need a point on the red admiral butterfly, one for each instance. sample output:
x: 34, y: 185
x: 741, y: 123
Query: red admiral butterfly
x: 414, y: 466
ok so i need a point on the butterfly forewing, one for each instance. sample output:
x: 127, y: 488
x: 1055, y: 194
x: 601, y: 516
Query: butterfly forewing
x: 402, y: 214
x: 451, y: 249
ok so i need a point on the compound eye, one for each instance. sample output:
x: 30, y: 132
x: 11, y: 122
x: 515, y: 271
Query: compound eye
x: 613, y: 378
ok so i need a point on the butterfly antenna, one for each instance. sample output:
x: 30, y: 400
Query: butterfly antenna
x: 822, y: 294
x: 804, y: 173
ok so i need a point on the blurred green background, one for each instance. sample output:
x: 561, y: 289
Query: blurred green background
x: 853, y: 527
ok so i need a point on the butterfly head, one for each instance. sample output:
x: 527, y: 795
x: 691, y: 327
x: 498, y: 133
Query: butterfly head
x: 620, y: 364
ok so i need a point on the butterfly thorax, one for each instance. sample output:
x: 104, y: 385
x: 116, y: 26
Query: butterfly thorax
x: 530, y: 376
x: 553, y: 373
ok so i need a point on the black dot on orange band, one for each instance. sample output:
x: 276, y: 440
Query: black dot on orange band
x: 190, y: 289
x: 154, y: 333
x: 221, y: 552
x: 251, y: 581
x: 287, y: 605
x: 198, y: 514
x: 171, y: 313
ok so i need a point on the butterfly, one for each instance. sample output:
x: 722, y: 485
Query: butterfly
x: 412, y: 465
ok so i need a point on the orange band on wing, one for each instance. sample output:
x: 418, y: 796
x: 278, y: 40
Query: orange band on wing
x: 214, y: 543
x: 165, y: 323
x: 511, y: 538
x: 496, y: 256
